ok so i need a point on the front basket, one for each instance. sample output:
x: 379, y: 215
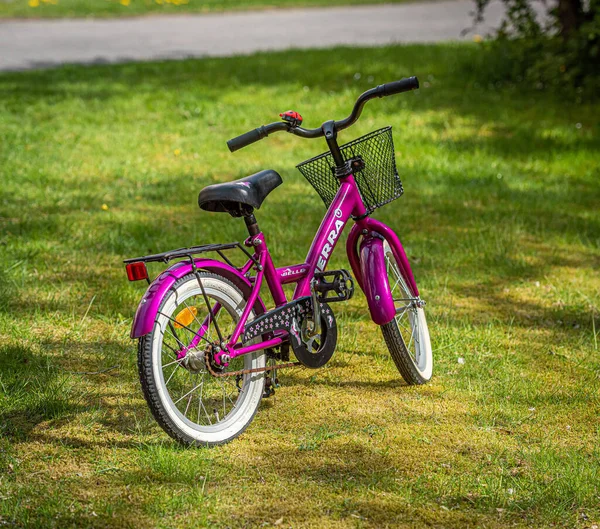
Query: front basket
x: 378, y: 182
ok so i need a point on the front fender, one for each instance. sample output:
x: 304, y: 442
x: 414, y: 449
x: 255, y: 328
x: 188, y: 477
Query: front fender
x: 143, y: 322
x: 368, y: 266
x: 370, y: 224
x: 375, y: 282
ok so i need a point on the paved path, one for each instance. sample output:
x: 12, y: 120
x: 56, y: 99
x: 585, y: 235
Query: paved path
x: 46, y: 43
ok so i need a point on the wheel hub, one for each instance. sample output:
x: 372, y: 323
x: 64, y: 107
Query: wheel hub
x: 419, y: 303
x: 194, y: 360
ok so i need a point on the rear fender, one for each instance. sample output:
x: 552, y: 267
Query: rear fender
x: 143, y: 322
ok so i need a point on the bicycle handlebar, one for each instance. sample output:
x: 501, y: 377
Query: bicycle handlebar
x: 384, y: 90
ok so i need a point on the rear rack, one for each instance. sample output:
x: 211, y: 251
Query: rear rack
x: 165, y: 257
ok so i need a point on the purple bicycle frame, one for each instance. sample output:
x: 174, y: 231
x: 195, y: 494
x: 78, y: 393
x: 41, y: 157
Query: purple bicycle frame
x: 367, y: 262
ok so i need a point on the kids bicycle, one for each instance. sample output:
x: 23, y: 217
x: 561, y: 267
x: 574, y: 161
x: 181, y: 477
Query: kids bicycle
x: 209, y: 350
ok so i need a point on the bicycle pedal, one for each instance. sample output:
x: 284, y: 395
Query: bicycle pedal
x: 334, y: 285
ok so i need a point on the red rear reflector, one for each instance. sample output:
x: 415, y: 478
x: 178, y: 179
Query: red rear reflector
x: 136, y: 271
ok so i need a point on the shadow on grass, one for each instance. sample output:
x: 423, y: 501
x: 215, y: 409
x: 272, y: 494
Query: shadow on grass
x: 499, y: 223
x: 350, y: 472
x: 205, y: 83
x: 33, y: 390
x: 289, y: 379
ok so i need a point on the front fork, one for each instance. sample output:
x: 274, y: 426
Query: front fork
x: 369, y: 266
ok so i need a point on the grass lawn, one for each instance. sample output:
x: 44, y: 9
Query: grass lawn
x: 118, y: 8
x: 500, y: 219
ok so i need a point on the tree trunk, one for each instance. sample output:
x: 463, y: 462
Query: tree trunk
x: 569, y: 16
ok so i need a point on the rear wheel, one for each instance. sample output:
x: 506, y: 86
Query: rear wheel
x: 193, y: 406
x: 407, y: 335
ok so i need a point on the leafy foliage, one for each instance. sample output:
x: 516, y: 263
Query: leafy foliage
x: 560, y: 50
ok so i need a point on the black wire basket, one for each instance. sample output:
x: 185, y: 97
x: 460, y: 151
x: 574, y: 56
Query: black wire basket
x: 378, y: 181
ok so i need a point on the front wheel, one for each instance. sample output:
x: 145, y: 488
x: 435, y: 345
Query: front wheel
x: 192, y: 405
x: 407, y: 335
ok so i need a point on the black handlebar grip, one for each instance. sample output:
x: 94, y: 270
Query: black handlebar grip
x: 397, y: 87
x: 246, y: 139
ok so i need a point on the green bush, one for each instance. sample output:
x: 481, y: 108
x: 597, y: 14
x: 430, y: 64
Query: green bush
x: 562, y: 53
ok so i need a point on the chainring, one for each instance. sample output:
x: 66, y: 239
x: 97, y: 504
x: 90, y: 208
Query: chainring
x: 315, y: 351
x: 292, y: 317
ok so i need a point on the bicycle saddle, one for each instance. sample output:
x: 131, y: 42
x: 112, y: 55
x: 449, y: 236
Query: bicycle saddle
x: 241, y: 196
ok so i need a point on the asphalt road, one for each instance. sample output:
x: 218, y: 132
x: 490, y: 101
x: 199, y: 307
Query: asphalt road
x: 46, y: 43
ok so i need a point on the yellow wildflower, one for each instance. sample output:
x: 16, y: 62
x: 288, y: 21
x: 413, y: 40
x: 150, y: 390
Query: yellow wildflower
x: 124, y: 2
x: 177, y: 152
x: 34, y: 3
x: 477, y: 38
x: 105, y: 207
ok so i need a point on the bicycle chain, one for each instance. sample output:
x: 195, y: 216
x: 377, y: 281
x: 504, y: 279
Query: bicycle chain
x: 248, y: 371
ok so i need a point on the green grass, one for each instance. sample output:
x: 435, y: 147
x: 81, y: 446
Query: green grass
x: 119, y: 8
x: 500, y: 220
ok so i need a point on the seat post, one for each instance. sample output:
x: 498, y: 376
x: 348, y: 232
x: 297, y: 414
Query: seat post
x: 251, y: 224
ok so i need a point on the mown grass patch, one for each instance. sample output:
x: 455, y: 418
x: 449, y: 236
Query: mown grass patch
x: 499, y: 218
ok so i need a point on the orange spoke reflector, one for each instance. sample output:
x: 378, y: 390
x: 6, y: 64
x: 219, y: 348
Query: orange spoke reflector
x: 185, y: 317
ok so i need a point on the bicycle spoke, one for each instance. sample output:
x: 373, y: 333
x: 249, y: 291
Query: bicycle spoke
x: 394, y: 287
x: 411, y: 339
x: 402, y: 314
x: 206, y: 412
x: 225, y: 394
x: 183, y: 326
x: 173, y: 350
x: 179, y: 342
x: 191, y: 391
x: 171, y: 376
x: 188, y: 404
x: 224, y: 409
x: 200, y: 403
x: 200, y: 399
x: 171, y: 363
x: 417, y: 348
x: 416, y: 325
x: 169, y: 332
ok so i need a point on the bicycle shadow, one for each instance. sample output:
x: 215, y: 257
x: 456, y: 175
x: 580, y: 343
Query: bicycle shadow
x: 34, y: 391
x: 57, y: 392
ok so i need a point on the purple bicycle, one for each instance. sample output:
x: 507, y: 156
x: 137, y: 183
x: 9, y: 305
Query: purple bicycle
x: 209, y: 350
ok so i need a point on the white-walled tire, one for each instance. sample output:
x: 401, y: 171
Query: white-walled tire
x: 196, y: 408
x: 407, y: 335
